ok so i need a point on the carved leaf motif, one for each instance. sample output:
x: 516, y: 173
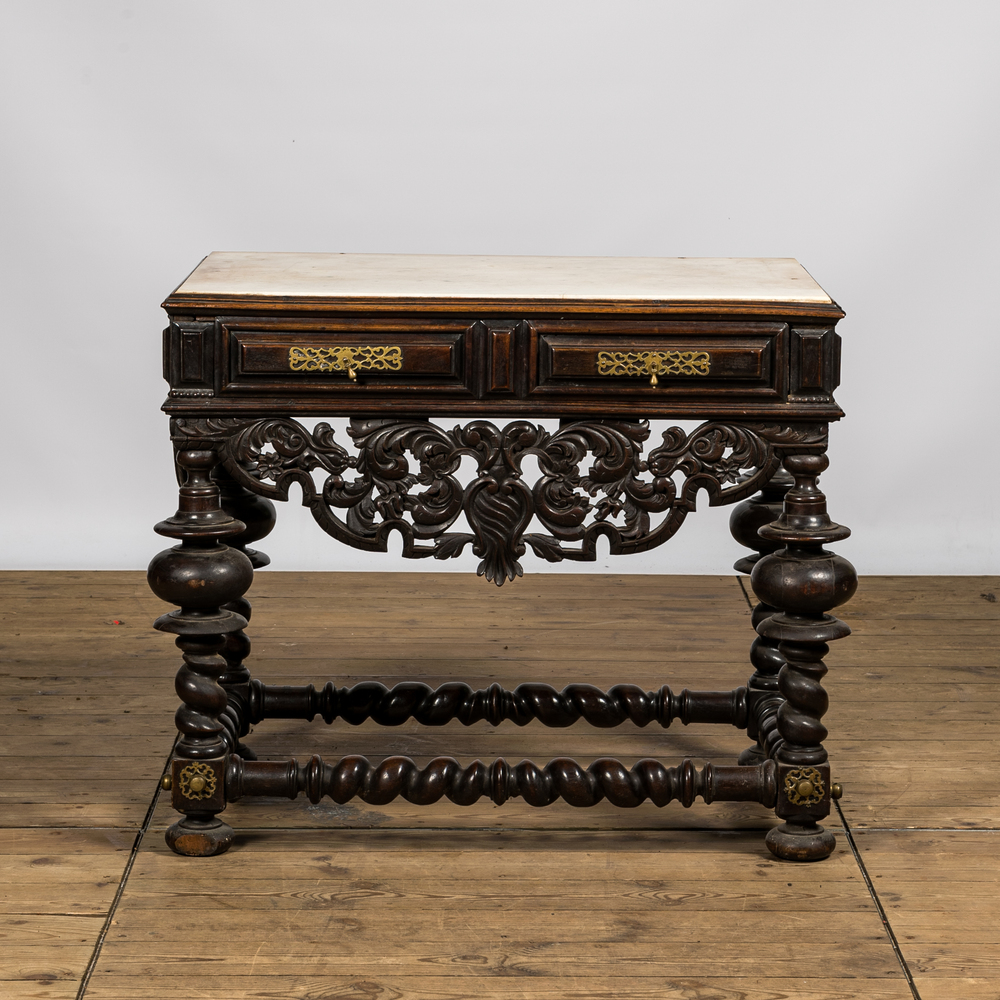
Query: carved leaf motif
x: 545, y: 547
x: 451, y: 545
x: 407, y: 481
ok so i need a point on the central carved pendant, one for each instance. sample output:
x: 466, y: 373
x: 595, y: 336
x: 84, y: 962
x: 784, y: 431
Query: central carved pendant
x: 406, y: 481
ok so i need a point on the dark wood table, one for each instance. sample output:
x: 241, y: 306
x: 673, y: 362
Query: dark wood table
x: 748, y: 347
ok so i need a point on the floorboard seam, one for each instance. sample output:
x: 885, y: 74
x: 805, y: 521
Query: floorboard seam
x: 928, y: 829
x: 126, y: 871
x: 755, y: 830
x: 746, y: 596
x: 878, y: 905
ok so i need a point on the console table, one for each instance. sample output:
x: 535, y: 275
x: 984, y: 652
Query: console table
x: 748, y: 347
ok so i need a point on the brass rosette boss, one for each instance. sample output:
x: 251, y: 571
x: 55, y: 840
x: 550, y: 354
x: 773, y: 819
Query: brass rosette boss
x: 804, y: 786
x: 197, y: 781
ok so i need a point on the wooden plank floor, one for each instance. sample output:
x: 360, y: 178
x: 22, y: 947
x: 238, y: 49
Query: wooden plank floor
x: 327, y: 901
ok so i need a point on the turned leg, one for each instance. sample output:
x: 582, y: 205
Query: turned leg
x: 201, y: 575
x: 804, y: 581
x: 258, y: 515
x: 763, y: 696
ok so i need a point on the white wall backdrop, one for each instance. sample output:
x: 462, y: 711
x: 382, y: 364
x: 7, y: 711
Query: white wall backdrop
x: 861, y: 138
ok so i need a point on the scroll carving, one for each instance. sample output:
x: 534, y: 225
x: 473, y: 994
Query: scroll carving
x: 406, y: 481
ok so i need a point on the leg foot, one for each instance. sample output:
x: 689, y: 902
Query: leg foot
x: 245, y: 752
x: 800, y: 842
x: 195, y: 837
x: 751, y: 757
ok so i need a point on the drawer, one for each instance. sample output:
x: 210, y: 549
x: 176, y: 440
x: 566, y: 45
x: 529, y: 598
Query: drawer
x: 321, y: 360
x: 685, y: 360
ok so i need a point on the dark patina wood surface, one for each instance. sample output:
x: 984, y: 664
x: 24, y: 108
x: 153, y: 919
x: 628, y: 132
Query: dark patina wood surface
x: 258, y: 341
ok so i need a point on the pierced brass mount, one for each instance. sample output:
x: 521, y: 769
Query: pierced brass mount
x: 804, y: 786
x: 197, y: 781
x: 653, y: 363
x: 345, y: 359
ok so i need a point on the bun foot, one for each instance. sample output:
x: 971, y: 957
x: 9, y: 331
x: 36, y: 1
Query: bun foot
x: 751, y: 757
x: 795, y: 842
x: 198, y: 838
x: 245, y: 752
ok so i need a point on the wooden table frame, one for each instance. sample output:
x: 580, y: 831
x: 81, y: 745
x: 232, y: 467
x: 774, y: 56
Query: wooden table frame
x: 247, y: 360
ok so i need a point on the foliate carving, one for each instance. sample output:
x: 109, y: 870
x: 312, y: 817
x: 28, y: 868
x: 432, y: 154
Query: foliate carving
x: 807, y: 435
x: 204, y: 431
x: 406, y: 481
x: 653, y: 363
x: 342, y: 359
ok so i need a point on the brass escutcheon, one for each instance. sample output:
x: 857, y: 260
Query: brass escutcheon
x: 653, y: 363
x: 345, y: 359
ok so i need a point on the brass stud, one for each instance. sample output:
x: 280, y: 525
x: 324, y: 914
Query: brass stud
x: 197, y: 783
x: 805, y: 789
x: 166, y: 782
x: 836, y: 791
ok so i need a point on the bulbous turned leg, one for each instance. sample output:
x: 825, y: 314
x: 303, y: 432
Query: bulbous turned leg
x: 804, y: 581
x: 763, y: 696
x: 200, y: 575
x: 257, y: 514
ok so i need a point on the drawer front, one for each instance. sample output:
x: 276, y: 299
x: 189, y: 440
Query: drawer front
x: 684, y: 360
x: 412, y: 364
x: 318, y: 360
